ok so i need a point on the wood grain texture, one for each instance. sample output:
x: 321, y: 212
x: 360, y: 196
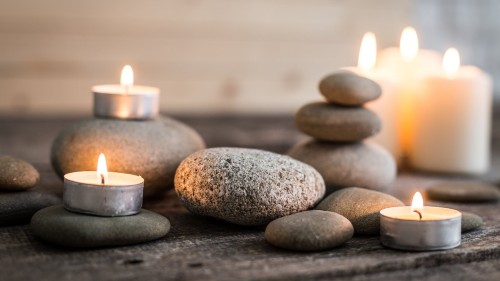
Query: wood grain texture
x: 200, y: 248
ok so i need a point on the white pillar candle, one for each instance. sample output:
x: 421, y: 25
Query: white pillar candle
x: 386, y: 106
x: 126, y: 101
x: 453, y: 119
x: 407, y: 63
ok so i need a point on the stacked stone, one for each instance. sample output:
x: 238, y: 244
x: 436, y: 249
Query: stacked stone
x: 340, y: 127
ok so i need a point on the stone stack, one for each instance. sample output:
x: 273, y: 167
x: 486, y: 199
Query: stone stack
x: 340, y: 127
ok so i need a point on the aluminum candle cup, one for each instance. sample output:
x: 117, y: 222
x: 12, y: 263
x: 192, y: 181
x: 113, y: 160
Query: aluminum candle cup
x: 126, y: 102
x: 120, y: 195
x: 438, y: 229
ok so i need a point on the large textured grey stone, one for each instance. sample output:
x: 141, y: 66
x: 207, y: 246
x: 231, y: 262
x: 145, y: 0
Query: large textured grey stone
x: 61, y: 227
x: 363, y: 164
x: 360, y: 206
x: 464, y: 192
x: 16, y: 174
x: 470, y: 222
x: 150, y: 149
x: 348, y: 89
x: 328, y: 122
x: 246, y: 186
x: 18, y: 207
x: 313, y: 230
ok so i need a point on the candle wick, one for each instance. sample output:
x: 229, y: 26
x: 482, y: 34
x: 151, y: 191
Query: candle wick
x: 419, y: 214
x: 102, y: 179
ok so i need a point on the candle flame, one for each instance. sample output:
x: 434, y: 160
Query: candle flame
x: 408, y: 46
x: 368, y: 52
x: 102, y: 169
x: 417, y: 203
x: 451, y: 62
x: 127, y: 78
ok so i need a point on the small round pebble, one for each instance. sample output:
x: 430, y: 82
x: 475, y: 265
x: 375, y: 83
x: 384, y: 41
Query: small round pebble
x: 328, y: 122
x: 309, y: 231
x: 360, y: 206
x: 16, y: 174
x: 348, y: 89
x: 246, y: 186
x: 464, y: 192
x: 19, y: 207
x: 64, y: 228
x: 470, y: 222
x: 364, y: 164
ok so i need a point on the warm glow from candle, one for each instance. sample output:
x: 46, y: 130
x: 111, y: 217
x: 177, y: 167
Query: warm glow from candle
x: 127, y: 78
x: 408, y: 46
x: 102, y: 169
x: 368, y: 52
x: 417, y: 204
x: 451, y: 62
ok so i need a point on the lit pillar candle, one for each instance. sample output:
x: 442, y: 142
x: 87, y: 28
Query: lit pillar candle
x: 419, y: 227
x: 103, y: 193
x: 386, y: 106
x: 453, y: 119
x: 126, y: 101
x: 407, y: 63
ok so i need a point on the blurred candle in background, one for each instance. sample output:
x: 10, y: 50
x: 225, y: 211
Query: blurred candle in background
x: 453, y: 119
x: 406, y: 64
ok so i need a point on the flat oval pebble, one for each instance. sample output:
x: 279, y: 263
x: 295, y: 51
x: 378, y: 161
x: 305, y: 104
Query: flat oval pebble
x: 246, y: 186
x: 348, y: 89
x: 64, y: 228
x: 151, y: 149
x: 328, y: 122
x: 309, y: 231
x: 360, y: 206
x: 464, y: 192
x: 364, y: 164
x: 19, y: 207
x: 470, y: 222
x: 16, y: 174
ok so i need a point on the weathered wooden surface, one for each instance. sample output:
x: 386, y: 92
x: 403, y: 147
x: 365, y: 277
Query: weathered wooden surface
x: 199, y: 248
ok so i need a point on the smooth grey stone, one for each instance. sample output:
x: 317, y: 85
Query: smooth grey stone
x: 150, y: 149
x: 246, y: 186
x: 328, y: 122
x: 349, y: 89
x: 470, y: 222
x: 363, y: 164
x: 16, y: 174
x: 360, y: 206
x: 64, y: 228
x: 309, y: 231
x: 464, y: 192
x: 19, y: 207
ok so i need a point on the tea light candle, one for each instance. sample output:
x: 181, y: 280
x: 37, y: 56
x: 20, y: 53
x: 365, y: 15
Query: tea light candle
x: 419, y: 228
x: 453, y: 123
x: 126, y: 101
x: 103, y: 193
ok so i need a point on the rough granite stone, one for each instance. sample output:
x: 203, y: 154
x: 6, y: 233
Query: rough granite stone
x: 360, y: 206
x: 150, y: 149
x: 246, y: 186
x: 349, y: 89
x: 16, y: 174
x: 64, y: 228
x: 364, y: 164
x: 328, y: 122
x: 464, y: 192
x: 19, y: 207
x: 470, y: 222
x: 309, y: 231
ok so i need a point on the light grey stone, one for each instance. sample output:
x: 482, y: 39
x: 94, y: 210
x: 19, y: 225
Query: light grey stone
x: 464, y: 192
x: 349, y: 89
x: 16, y: 174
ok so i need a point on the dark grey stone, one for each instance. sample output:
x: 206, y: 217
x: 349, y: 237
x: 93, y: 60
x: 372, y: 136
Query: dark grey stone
x: 360, y: 206
x: 64, y: 228
x: 349, y: 89
x: 246, y: 186
x: 470, y: 222
x: 309, y: 231
x: 16, y: 174
x: 18, y: 207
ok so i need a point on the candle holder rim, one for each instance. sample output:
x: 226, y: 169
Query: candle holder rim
x: 148, y: 90
x: 458, y: 214
x: 120, y: 186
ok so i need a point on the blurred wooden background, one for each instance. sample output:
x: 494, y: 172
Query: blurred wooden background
x: 213, y: 56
